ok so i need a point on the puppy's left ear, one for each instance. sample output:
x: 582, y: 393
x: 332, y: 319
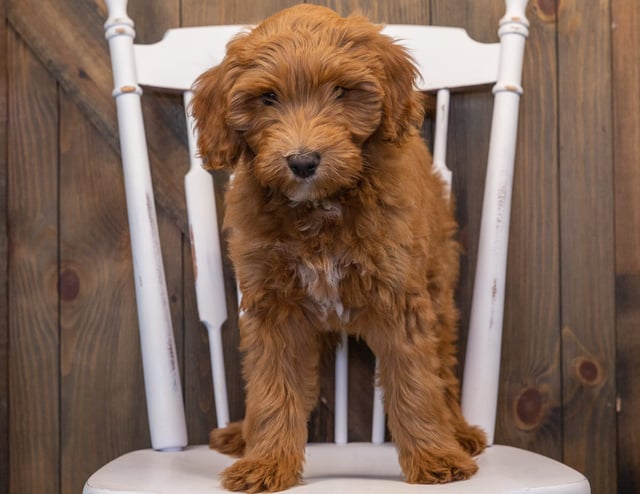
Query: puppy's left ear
x: 403, y: 106
x: 219, y: 145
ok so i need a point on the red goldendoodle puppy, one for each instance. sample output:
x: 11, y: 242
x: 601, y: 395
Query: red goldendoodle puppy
x: 335, y: 221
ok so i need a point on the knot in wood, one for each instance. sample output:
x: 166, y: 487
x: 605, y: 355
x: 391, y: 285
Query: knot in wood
x: 589, y: 371
x: 546, y: 10
x: 529, y: 409
x: 69, y: 285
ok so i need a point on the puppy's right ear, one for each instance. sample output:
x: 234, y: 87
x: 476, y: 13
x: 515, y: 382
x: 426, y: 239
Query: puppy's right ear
x: 219, y: 145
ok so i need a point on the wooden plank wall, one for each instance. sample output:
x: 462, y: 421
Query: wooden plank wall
x: 4, y: 322
x: 626, y: 152
x: 587, y: 289
x: 71, y: 393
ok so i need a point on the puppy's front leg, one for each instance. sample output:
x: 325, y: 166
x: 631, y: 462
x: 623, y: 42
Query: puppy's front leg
x: 280, y: 368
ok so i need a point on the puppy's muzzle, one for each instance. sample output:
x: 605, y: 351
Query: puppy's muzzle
x: 303, y: 165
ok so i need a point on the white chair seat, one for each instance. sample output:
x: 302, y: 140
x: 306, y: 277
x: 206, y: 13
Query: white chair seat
x: 368, y: 469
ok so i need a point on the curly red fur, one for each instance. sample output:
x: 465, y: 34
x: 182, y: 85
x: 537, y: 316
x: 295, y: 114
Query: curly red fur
x: 362, y: 242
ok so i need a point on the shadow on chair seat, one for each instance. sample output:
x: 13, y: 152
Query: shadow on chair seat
x: 351, y: 468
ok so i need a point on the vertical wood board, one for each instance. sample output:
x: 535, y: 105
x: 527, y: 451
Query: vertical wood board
x: 4, y: 245
x: 102, y: 394
x: 33, y: 274
x: 586, y: 238
x: 85, y: 74
x: 396, y: 12
x: 626, y: 151
x: 197, y: 13
x: 530, y: 407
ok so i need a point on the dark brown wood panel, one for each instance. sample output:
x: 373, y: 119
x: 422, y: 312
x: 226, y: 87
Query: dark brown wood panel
x: 34, y: 367
x: 153, y: 19
x: 530, y: 408
x: 397, y: 12
x: 101, y: 381
x: 586, y: 239
x: 4, y: 245
x: 626, y: 151
x: 197, y: 13
x: 85, y: 74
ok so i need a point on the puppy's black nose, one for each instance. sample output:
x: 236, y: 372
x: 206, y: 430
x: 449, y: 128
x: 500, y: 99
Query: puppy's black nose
x: 303, y: 165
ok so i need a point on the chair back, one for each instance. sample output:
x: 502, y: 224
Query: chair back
x: 448, y: 60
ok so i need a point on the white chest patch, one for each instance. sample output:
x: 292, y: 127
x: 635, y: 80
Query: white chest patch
x: 320, y: 277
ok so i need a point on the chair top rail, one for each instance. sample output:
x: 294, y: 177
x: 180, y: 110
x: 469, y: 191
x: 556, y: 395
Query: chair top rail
x: 174, y: 64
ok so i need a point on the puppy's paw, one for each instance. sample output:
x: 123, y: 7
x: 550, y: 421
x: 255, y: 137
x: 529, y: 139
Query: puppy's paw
x: 259, y: 475
x: 472, y: 439
x: 440, y: 468
x: 228, y: 440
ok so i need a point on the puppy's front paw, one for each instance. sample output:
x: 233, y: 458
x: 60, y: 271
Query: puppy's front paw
x: 429, y: 468
x: 228, y: 440
x: 259, y: 475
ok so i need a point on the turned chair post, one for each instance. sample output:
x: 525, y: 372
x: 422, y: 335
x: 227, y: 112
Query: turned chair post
x: 160, y: 363
x: 482, y: 364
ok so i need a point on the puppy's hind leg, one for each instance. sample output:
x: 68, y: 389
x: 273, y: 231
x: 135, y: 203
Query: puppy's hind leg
x: 228, y: 440
x: 471, y: 438
x: 420, y: 419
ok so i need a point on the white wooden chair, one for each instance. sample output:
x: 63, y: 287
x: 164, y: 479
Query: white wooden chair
x: 451, y: 61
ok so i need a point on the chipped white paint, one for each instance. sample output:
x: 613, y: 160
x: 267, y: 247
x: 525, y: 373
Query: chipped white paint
x: 378, y: 420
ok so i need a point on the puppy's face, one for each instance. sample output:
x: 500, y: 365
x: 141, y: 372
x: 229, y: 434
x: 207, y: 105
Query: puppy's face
x: 298, y: 98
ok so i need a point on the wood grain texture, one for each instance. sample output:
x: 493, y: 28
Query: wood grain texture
x: 33, y: 274
x: 586, y: 239
x: 102, y: 393
x: 397, y: 12
x: 98, y: 324
x: 85, y: 74
x: 626, y: 138
x: 530, y: 405
x: 152, y: 19
x: 197, y: 13
x: 4, y: 245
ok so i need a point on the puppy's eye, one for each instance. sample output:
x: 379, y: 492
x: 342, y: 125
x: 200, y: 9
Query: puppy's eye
x: 269, y: 99
x: 339, y: 92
